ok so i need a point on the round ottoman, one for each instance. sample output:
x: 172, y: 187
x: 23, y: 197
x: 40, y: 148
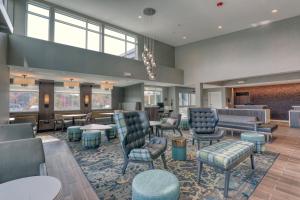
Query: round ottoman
x: 255, y: 138
x: 179, y: 148
x: 91, y: 139
x: 155, y: 185
x: 111, y: 133
x: 74, y: 133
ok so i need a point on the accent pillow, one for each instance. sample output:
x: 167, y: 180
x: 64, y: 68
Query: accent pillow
x: 171, y: 121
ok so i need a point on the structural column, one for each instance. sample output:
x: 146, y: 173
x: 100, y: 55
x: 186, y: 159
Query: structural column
x: 199, y: 94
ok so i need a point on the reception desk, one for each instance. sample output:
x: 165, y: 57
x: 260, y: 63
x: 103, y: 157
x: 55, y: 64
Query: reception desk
x: 294, y: 117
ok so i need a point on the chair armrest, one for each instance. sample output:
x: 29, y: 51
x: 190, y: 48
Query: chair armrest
x: 43, y: 169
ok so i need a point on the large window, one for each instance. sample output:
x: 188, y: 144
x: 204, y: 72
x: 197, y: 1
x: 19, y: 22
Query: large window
x: 101, y: 99
x: 23, y: 99
x: 38, y: 21
x: 119, y: 44
x: 152, y: 96
x: 66, y: 99
x: 73, y: 30
x: 186, y: 100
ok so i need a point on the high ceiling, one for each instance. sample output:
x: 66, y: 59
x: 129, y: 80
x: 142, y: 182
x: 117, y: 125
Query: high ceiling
x: 178, y: 22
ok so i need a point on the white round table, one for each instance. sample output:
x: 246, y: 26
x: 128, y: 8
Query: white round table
x: 31, y: 188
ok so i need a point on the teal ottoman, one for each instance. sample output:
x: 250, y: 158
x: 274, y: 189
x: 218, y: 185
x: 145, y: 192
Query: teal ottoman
x: 255, y: 138
x: 74, y: 133
x: 91, y: 139
x: 179, y: 148
x: 111, y: 133
x: 184, y: 124
x: 155, y: 185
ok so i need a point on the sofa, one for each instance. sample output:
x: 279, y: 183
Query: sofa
x: 16, y: 131
x: 21, y: 158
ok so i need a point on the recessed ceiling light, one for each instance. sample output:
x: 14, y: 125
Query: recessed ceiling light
x: 220, y: 27
x: 184, y: 37
x: 274, y: 11
x: 140, y: 17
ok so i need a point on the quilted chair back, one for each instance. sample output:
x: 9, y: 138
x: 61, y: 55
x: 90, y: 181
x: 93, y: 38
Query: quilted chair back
x: 132, y: 128
x: 203, y: 120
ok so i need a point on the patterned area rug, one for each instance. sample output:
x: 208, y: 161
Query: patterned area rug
x: 102, y: 167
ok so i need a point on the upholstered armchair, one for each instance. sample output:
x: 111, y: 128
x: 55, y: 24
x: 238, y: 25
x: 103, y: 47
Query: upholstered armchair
x: 59, y: 121
x: 20, y: 131
x: 21, y: 158
x: 132, y: 128
x: 174, y: 125
x: 85, y: 120
x: 203, y: 122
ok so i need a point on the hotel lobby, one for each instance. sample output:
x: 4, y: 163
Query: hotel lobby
x: 149, y: 100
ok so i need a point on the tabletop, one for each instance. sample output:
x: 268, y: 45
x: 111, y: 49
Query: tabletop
x: 74, y: 115
x: 108, y: 113
x: 31, y: 188
x: 96, y: 127
x: 155, y: 123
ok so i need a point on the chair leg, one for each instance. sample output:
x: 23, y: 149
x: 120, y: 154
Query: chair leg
x: 179, y: 131
x: 226, y: 185
x: 163, y: 157
x: 198, y: 145
x: 151, y: 165
x: 124, y: 166
x: 174, y: 131
x: 161, y: 133
x: 200, y: 168
x: 210, y: 142
x: 193, y: 142
x: 252, y: 161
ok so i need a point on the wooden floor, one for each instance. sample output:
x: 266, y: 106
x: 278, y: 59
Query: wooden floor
x: 61, y: 164
x: 282, y: 181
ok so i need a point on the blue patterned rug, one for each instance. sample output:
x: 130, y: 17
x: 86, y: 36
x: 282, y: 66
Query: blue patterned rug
x: 102, y: 167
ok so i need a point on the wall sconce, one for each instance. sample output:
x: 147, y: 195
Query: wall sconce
x: 86, y: 100
x: 46, y: 100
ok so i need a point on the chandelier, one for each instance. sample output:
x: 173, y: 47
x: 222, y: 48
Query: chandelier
x: 71, y: 84
x: 23, y: 81
x: 148, y: 58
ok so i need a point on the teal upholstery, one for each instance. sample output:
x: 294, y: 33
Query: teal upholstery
x: 21, y: 158
x: 155, y: 185
x: 257, y: 139
x: 179, y: 148
x: 10, y: 132
x: 111, y: 133
x: 74, y: 133
x: 91, y: 139
x: 226, y: 154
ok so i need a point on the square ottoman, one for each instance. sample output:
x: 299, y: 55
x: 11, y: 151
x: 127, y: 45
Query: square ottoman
x: 225, y: 156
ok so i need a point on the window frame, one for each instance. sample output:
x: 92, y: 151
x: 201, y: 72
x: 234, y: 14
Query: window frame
x: 41, y: 5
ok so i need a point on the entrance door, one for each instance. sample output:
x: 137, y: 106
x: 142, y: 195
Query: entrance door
x: 215, y: 99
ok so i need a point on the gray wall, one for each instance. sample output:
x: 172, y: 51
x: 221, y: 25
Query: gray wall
x: 4, y: 80
x: 53, y: 56
x: 117, y: 96
x: 134, y: 93
x: 257, y: 51
x: 164, y: 54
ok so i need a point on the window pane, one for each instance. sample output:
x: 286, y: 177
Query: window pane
x: 23, y: 99
x: 152, y: 96
x: 131, y: 39
x: 93, y: 41
x: 66, y: 99
x: 38, y: 10
x: 93, y: 27
x: 114, y: 46
x: 114, y: 33
x: 37, y: 27
x: 101, y: 99
x: 131, y: 50
x: 70, y: 20
x: 70, y: 35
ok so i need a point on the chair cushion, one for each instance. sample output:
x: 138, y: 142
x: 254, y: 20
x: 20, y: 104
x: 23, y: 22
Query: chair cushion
x: 226, y: 154
x: 218, y: 134
x: 171, y: 121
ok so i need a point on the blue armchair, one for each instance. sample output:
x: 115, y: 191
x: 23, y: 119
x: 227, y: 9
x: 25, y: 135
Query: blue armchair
x: 132, y: 128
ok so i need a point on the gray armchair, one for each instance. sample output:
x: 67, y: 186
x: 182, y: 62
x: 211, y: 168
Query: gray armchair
x: 59, y: 121
x: 16, y: 131
x: 167, y: 126
x: 132, y: 129
x: 21, y: 158
x: 85, y: 120
x: 202, y: 123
